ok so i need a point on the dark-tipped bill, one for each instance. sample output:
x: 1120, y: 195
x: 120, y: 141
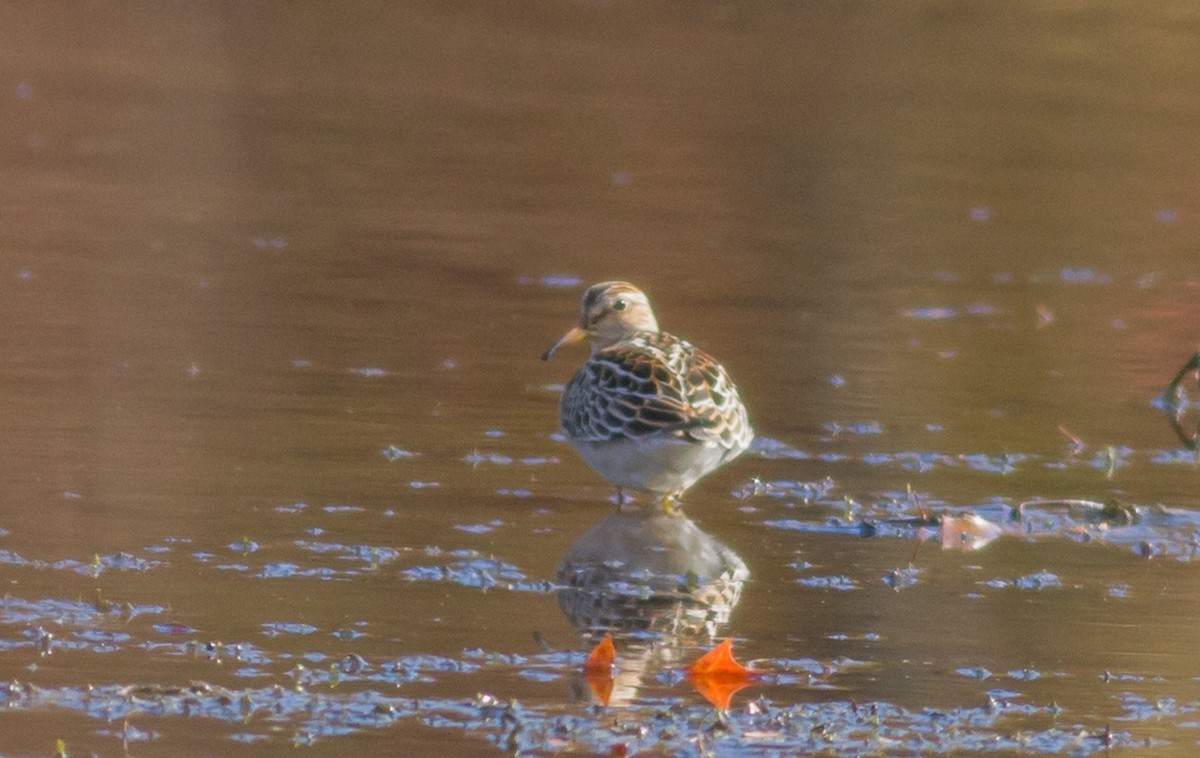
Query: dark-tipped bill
x: 570, y: 338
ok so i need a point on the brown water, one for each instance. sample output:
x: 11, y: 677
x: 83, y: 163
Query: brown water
x: 280, y: 464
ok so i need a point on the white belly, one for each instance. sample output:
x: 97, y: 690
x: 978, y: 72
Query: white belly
x: 662, y: 464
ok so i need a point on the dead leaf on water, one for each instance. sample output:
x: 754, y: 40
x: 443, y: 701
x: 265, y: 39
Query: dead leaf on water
x: 717, y: 676
x: 968, y: 532
x: 598, y: 669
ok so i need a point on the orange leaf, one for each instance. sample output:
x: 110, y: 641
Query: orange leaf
x: 718, y: 662
x: 969, y: 532
x: 598, y: 669
x: 602, y: 657
x: 601, y: 684
x: 717, y: 676
x: 719, y: 690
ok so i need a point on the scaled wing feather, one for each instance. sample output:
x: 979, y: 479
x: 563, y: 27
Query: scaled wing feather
x: 654, y: 384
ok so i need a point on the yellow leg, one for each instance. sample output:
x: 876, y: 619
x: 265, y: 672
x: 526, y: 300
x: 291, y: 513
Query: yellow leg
x: 670, y: 504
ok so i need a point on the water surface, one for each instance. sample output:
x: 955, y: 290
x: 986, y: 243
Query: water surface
x: 281, y: 464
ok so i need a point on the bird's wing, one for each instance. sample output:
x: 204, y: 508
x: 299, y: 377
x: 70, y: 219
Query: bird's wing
x: 651, y: 386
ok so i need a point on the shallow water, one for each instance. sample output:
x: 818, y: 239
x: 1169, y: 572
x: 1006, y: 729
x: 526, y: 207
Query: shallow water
x: 281, y: 464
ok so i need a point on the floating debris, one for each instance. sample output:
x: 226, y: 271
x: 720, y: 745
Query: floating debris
x: 967, y: 532
x: 394, y: 453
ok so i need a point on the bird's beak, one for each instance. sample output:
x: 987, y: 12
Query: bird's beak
x: 576, y: 334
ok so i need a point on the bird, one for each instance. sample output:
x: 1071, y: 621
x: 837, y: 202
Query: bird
x: 647, y: 411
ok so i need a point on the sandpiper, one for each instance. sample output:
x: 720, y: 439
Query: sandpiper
x: 648, y: 411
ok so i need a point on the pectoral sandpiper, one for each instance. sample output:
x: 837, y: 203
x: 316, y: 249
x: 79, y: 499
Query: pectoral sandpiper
x: 647, y: 411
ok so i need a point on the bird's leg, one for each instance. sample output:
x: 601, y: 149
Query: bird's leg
x: 670, y: 503
x: 619, y: 498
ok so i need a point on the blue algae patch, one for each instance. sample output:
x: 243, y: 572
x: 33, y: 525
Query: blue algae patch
x: 247, y: 738
x: 18, y: 611
x: 1082, y: 276
x: 1025, y: 675
x: 902, y: 578
x: 343, y: 509
x: 315, y: 710
x: 786, y: 489
x: 995, y: 464
x: 931, y: 314
x: 479, y: 528
x: 393, y: 453
x: 844, y: 637
x: 129, y: 733
x: 1178, y: 457
x: 553, y: 281
x: 832, y: 457
x: 278, y: 570
x: 477, y: 458
x: 369, y: 554
x: 1111, y: 458
x: 478, y: 573
x: 863, y: 429
x: 276, y: 628
x: 244, y: 546
x: 538, y: 675
x: 102, y: 637
x: 250, y: 672
x: 1040, y: 580
x: 829, y: 526
x: 979, y: 673
x: 840, y: 583
x: 174, y: 630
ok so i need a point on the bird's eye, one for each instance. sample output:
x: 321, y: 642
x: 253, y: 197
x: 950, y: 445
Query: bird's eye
x: 619, y: 305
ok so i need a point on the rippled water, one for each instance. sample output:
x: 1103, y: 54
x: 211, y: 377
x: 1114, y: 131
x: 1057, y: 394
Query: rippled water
x: 281, y: 464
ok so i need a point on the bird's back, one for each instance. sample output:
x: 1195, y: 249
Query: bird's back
x: 655, y: 384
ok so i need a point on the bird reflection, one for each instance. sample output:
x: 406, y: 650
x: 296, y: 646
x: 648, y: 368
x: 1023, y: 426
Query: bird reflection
x: 657, y: 572
x: 647, y: 572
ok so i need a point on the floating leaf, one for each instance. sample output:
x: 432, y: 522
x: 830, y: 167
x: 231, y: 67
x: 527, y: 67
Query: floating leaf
x: 598, y: 669
x: 719, y: 690
x: 717, y: 676
x: 718, y: 662
x: 602, y: 656
x: 969, y: 532
x: 601, y: 684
